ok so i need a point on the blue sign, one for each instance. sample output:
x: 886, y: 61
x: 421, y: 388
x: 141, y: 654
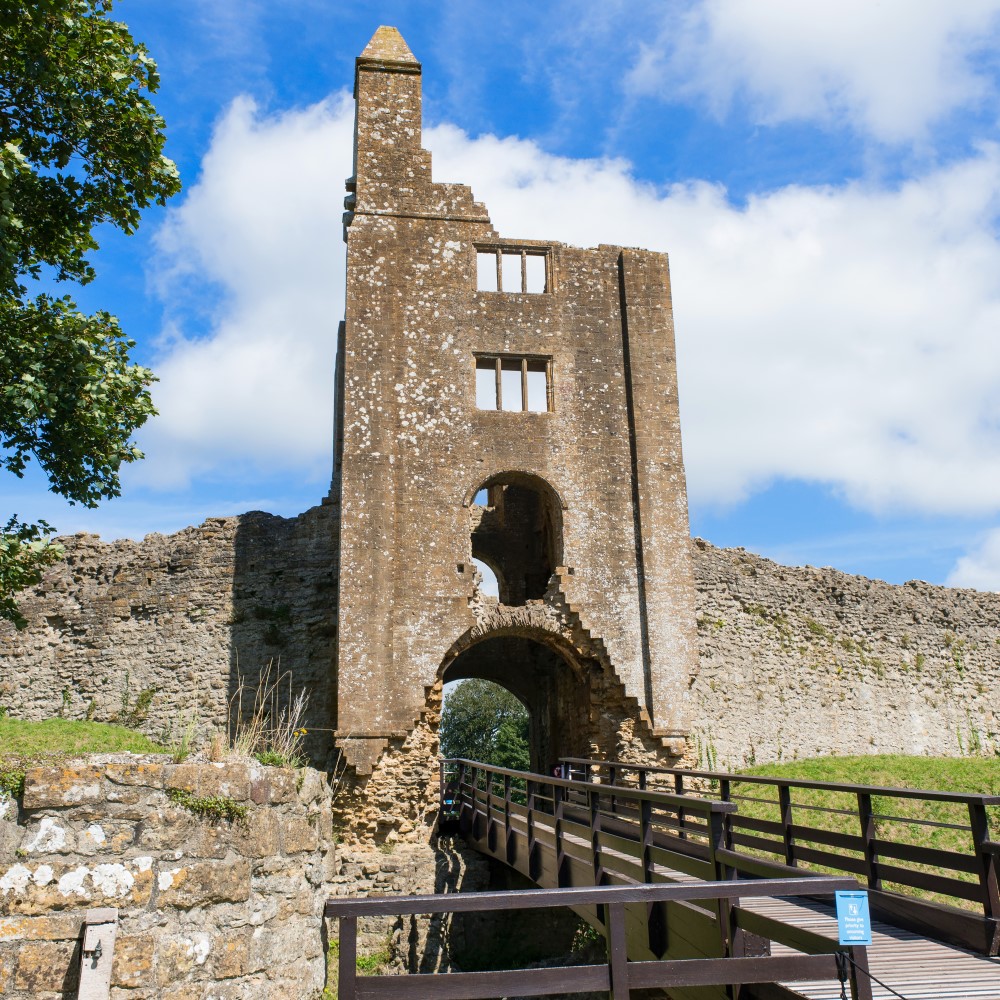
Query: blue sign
x: 853, y: 920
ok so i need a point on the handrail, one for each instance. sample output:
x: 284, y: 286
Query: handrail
x: 624, y: 792
x: 534, y: 899
x: 833, y: 786
x: 816, y: 959
x: 874, y: 858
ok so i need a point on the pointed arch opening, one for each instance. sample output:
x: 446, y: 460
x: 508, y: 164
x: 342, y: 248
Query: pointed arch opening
x: 517, y: 530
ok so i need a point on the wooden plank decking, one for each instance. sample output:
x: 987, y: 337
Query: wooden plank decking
x: 916, y: 967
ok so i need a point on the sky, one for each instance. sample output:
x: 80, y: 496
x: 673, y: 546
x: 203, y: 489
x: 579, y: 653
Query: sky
x: 825, y: 177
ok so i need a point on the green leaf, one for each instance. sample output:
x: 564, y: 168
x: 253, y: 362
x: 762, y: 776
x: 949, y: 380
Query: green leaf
x: 80, y: 146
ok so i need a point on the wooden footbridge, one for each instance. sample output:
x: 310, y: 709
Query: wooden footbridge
x: 710, y: 885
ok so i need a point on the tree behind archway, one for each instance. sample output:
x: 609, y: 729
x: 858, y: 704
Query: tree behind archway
x: 483, y: 721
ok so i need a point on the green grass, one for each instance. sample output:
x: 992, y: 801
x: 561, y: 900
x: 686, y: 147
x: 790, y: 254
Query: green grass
x: 37, y: 740
x: 898, y: 819
x: 946, y: 774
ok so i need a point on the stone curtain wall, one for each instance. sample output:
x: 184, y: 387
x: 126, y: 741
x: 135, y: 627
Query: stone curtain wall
x: 226, y: 909
x: 179, y: 617
x: 800, y: 662
x: 794, y: 662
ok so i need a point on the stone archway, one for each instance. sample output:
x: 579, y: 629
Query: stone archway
x: 550, y: 680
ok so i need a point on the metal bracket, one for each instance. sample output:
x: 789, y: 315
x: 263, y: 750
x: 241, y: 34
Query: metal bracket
x: 100, y: 927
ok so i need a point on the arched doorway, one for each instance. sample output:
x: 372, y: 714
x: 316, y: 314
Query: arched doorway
x: 547, y: 681
x: 517, y: 532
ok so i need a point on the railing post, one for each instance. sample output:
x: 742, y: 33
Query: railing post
x: 987, y: 860
x: 490, y: 824
x: 785, y: 807
x: 646, y: 832
x: 529, y: 819
x: 595, y: 836
x: 717, y: 841
x: 617, y: 952
x: 508, y: 834
x: 347, y: 965
x: 725, y: 793
x: 868, y: 835
x: 861, y: 984
x: 612, y: 778
x: 463, y: 824
x: 557, y: 822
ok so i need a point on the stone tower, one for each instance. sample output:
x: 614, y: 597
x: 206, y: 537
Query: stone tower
x: 514, y: 402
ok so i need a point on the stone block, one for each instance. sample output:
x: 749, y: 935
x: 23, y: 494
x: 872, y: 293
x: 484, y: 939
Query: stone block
x: 47, y: 965
x: 127, y: 993
x: 271, y: 944
x: 231, y: 781
x: 8, y: 963
x: 45, y: 927
x: 260, y: 789
x: 41, y: 888
x: 202, y: 883
x: 61, y: 787
x: 180, y: 956
x: 258, y: 835
x: 185, y: 776
x: 133, y: 966
x: 284, y: 783
x: 231, y: 954
x: 147, y: 774
x: 299, y: 833
x: 168, y: 828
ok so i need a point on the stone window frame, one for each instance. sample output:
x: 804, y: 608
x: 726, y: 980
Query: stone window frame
x: 524, y: 251
x: 538, y: 362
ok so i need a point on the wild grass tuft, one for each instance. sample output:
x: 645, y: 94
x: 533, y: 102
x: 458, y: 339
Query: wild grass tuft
x: 265, y: 721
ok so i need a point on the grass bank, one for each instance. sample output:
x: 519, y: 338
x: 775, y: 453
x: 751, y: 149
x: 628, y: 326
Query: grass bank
x: 918, y: 822
x: 33, y: 740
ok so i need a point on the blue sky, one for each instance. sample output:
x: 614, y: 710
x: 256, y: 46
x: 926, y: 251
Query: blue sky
x: 825, y: 177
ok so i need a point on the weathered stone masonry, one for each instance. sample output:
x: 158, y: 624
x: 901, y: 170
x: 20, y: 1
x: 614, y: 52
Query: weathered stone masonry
x: 186, y: 615
x: 575, y: 496
x: 800, y: 662
x: 794, y: 661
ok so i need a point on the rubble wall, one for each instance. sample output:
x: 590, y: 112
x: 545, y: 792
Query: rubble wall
x: 161, y: 632
x: 793, y: 661
x: 802, y: 662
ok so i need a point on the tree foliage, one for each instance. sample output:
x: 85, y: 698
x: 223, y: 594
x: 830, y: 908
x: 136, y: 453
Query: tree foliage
x: 80, y: 146
x: 483, y: 721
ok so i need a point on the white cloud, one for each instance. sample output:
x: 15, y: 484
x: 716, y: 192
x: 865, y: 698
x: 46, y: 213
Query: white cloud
x: 262, y: 229
x: 844, y: 335
x: 889, y: 69
x: 979, y: 569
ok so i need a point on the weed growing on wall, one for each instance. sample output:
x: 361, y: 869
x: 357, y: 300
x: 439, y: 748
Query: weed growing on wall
x: 214, y: 808
x: 266, y: 721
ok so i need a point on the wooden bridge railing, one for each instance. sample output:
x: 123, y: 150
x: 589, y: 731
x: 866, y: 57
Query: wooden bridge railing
x: 618, y: 975
x: 582, y: 821
x: 790, y: 836
x: 565, y: 833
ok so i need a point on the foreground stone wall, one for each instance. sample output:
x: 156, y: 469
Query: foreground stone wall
x: 221, y: 909
x: 799, y: 662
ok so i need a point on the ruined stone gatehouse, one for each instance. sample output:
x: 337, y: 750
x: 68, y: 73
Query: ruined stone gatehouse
x: 513, y: 402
